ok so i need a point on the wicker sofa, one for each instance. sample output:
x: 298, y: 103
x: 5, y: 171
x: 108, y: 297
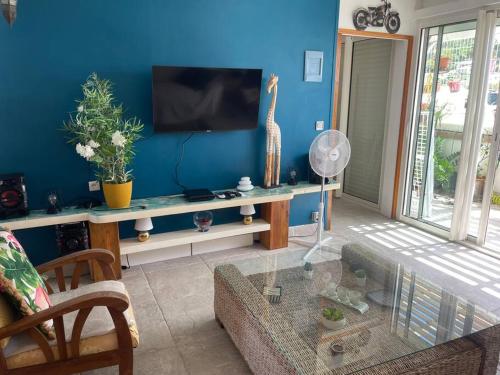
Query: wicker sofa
x: 270, y: 344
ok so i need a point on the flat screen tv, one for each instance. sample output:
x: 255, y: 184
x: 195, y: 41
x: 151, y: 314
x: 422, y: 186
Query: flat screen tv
x: 205, y: 99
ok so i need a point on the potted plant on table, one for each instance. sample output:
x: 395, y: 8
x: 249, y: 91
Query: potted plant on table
x: 104, y: 138
x: 333, y: 318
x: 360, y: 276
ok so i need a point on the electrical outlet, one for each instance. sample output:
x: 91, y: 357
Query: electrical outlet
x: 320, y: 125
x: 315, y: 216
x: 94, y: 186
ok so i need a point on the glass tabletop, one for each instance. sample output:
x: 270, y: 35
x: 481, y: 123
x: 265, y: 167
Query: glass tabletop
x: 353, y: 309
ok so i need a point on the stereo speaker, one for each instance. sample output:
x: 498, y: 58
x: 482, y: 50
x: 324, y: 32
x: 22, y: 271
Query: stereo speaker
x: 13, y: 197
x: 72, y: 237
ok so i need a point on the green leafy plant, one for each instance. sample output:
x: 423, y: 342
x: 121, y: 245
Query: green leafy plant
x: 100, y: 134
x: 495, y: 199
x: 445, y: 166
x: 333, y: 314
x: 308, y: 266
x: 360, y: 274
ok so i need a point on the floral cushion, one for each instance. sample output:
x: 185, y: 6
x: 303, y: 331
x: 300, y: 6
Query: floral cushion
x: 20, y: 282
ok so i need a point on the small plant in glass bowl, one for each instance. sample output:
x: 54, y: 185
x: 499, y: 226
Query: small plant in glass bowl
x: 308, y: 271
x: 360, y: 276
x: 333, y: 318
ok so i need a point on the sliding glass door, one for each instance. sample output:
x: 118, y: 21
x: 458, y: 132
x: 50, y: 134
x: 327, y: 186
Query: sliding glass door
x: 446, y: 61
x: 453, y: 179
x: 485, y: 213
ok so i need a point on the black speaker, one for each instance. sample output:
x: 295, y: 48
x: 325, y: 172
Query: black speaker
x: 72, y: 237
x: 315, y: 178
x: 13, y: 197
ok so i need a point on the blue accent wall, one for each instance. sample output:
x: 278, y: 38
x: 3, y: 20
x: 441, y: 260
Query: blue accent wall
x: 55, y: 44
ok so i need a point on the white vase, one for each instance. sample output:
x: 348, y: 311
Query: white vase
x: 333, y: 324
x: 308, y: 275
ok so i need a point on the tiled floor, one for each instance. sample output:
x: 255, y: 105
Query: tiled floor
x: 173, y: 300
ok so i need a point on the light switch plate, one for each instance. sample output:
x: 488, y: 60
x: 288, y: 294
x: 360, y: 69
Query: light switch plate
x: 94, y: 186
x: 320, y: 125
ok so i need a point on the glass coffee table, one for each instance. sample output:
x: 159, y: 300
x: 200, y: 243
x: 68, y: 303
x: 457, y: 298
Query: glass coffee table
x: 386, y: 319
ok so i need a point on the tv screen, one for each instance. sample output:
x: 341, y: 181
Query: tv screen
x: 205, y: 99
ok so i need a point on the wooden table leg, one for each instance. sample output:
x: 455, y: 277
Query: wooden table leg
x: 277, y: 214
x: 105, y: 236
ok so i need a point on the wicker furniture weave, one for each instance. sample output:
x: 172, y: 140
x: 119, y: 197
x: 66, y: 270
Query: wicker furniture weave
x: 287, y: 338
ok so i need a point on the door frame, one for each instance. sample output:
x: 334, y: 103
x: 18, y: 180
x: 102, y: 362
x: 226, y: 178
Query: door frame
x: 404, y: 104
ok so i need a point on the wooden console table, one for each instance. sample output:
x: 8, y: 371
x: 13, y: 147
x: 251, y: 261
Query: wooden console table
x: 103, y: 222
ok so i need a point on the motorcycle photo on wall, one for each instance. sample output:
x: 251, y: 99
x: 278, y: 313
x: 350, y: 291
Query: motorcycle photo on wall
x: 379, y: 16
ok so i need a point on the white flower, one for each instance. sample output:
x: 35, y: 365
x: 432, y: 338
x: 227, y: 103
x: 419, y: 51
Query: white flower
x: 85, y: 151
x: 93, y: 144
x: 80, y: 108
x: 118, y: 139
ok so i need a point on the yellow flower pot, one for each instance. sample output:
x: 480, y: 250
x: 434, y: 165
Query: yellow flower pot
x: 117, y: 195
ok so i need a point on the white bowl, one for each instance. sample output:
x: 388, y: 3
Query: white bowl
x: 332, y: 324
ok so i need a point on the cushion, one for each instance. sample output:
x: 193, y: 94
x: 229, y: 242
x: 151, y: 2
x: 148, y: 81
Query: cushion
x: 20, y: 283
x: 98, y: 333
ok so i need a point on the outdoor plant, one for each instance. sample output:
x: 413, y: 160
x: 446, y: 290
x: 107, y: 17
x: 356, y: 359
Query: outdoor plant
x: 308, y: 266
x: 445, y: 167
x: 495, y: 199
x: 100, y: 134
x: 333, y: 314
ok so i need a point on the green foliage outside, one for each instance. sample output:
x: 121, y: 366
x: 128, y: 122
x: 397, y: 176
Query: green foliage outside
x: 445, y: 167
x: 496, y: 199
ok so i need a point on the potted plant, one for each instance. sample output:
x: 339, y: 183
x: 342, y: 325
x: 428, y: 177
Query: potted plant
x: 333, y: 318
x: 308, y: 271
x: 360, y: 276
x: 480, y: 182
x: 444, y: 60
x: 101, y: 136
x: 454, y: 81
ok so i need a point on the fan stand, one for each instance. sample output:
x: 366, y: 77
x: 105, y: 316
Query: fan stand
x: 319, y: 240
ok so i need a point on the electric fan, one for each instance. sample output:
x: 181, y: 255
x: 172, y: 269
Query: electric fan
x: 329, y: 154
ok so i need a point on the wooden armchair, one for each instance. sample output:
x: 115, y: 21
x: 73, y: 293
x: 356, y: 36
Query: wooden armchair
x: 94, y: 324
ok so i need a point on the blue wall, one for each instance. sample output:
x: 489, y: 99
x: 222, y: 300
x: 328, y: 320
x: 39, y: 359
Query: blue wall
x: 55, y: 44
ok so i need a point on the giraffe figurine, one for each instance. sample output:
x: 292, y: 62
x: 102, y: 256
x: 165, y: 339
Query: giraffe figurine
x: 273, y: 139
